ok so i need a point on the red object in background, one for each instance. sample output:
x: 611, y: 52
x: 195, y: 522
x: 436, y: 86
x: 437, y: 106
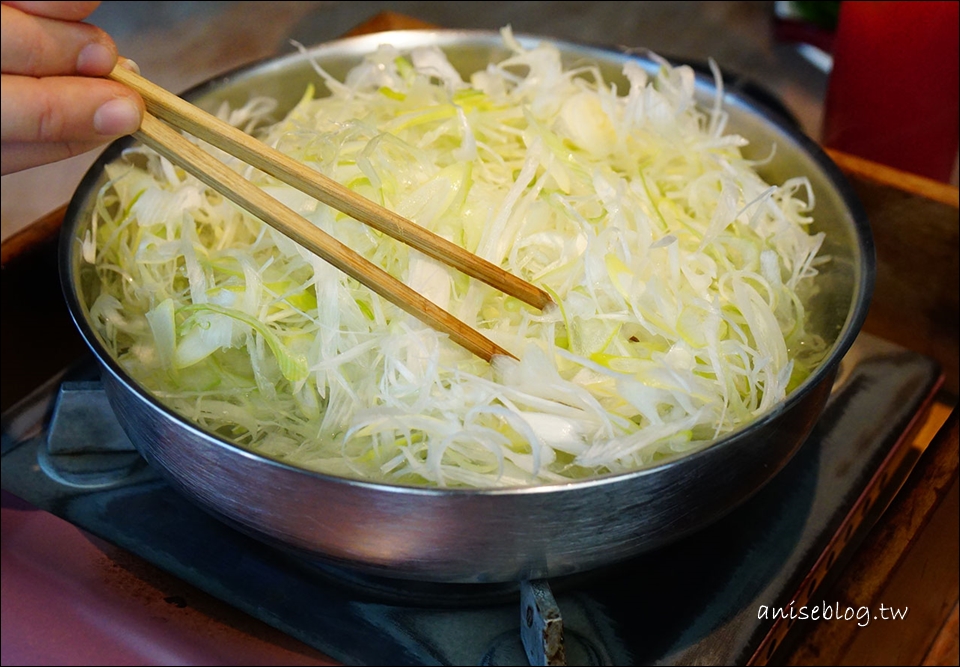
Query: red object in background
x: 894, y: 91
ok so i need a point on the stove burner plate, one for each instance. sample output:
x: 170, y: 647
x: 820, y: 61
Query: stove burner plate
x: 696, y: 601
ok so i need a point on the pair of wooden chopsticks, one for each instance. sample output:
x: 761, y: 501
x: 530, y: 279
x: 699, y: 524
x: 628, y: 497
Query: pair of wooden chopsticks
x: 165, y: 106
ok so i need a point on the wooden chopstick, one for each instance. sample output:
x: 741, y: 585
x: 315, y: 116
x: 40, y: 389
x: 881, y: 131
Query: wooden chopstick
x: 180, y: 113
x: 178, y: 149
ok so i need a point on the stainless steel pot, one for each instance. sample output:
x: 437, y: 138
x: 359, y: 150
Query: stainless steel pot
x: 500, y: 535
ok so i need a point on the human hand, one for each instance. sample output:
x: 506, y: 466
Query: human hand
x: 55, y: 103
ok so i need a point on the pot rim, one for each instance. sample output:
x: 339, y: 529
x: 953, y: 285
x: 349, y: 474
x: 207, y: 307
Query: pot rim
x: 357, y: 46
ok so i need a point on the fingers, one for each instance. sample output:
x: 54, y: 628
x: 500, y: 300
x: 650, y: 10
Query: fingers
x: 65, y: 11
x: 17, y: 157
x: 41, y: 46
x: 66, y: 109
x: 54, y: 103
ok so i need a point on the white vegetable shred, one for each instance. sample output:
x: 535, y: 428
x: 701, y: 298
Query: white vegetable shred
x: 680, y: 276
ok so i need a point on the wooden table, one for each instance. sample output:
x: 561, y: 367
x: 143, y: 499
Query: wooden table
x: 911, y: 553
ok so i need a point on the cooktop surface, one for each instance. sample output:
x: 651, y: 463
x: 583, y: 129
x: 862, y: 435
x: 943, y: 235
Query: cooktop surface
x: 709, y: 598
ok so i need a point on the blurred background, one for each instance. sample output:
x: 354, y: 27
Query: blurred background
x: 778, y: 48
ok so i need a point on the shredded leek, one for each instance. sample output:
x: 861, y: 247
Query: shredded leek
x: 680, y: 275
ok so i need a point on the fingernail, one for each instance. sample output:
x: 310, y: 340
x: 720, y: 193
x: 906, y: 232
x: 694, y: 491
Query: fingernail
x: 117, y: 117
x: 95, y: 60
x: 126, y: 63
